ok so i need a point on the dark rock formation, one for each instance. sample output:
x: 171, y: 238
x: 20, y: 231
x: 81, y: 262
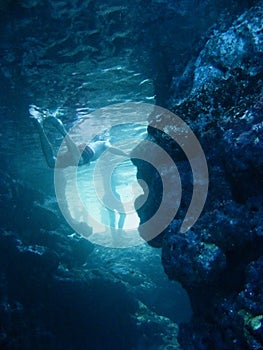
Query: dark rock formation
x: 219, y: 260
x: 52, y: 296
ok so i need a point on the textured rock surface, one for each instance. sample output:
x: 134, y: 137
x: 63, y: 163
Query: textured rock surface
x: 218, y: 262
x: 57, y: 291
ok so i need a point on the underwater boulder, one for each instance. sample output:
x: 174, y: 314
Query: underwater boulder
x: 244, y: 165
x: 42, y: 218
x: 97, y: 311
x: 9, y: 248
x: 37, y: 259
x: 189, y: 260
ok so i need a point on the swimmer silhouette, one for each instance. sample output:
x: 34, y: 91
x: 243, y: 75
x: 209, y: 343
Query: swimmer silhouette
x: 76, y: 155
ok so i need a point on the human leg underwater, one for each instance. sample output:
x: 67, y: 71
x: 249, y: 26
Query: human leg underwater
x: 72, y: 147
x: 39, y: 119
x: 45, y: 144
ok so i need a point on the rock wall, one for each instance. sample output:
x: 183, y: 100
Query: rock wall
x: 56, y: 294
x: 219, y: 260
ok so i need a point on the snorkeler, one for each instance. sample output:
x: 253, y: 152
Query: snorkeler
x: 76, y: 154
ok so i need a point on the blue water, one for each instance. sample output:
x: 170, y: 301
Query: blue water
x: 124, y: 180
x: 138, y: 266
x: 123, y: 183
x: 50, y: 77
